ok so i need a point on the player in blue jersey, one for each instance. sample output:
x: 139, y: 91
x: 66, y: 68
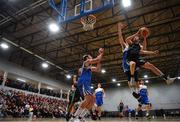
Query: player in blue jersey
x: 84, y: 82
x: 99, y: 94
x: 144, y: 99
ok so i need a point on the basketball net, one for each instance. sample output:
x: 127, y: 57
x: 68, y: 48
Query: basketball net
x: 88, y: 22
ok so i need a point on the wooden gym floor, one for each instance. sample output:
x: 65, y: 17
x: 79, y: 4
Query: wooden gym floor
x: 175, y: 119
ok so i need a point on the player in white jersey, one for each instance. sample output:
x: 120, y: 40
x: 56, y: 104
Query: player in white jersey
x: 99, y: 94
x: 144, y: 98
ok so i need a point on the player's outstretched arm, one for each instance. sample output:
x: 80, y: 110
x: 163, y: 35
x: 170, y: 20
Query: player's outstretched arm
x: 145, y: 41
x: 97, y: 59
x: 144, y: 45
x: 74, y: 79
x: 146, y: 52
x: 97, y: 68
x: 121, y: 40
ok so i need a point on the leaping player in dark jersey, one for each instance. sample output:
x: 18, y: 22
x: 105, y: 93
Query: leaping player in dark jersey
x: 84, y: 83
x: 129, y: 65
x: 134, y: 54
x: 132, y: 50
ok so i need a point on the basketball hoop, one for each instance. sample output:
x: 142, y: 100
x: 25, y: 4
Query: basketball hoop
x: 88, y: 22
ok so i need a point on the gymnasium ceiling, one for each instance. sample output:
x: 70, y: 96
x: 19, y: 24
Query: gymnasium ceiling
x: 25, y: 22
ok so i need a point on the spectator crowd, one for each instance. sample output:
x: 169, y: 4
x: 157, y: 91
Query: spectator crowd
x: 17, y: 103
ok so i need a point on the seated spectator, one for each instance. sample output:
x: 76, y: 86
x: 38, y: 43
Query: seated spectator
x: 20, y: 104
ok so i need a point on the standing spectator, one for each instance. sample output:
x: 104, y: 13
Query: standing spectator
x: 1, y: 80
x: 121, y: 107
x: 126, y: 111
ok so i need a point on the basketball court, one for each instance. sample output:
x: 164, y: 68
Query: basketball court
x: 126, y: 51
x: 104, y: 120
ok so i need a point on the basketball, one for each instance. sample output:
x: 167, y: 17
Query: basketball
x: 144, y: 32
x: 57, y: 1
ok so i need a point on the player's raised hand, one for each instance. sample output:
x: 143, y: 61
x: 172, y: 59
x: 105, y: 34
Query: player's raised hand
x: 156, y: 52
x: 101, y: 50
x: 120, y: 25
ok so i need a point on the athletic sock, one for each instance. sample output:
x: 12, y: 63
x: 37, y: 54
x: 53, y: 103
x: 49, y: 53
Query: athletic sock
x: 83, y: 113
x: 99, y: 117
x: 164, y: 76
x: 132, y: 79
x: 136, y: 113
x: 78, y: 112
x: 67, y: 116
x: 147, y: 113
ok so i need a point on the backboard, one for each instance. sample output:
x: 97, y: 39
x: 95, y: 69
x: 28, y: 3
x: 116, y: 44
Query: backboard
x: 69, y: 10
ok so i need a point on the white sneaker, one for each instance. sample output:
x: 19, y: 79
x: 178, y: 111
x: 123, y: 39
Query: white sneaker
x: 80, y: 119
x: 77, y: 120
x: 83, y: 120
x: 170, y: 80
x: 72, y: 119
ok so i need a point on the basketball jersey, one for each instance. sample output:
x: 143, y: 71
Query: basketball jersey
x: 71, y: 94
x: 124, y: 61
x: 85, y: 75
x: 99, y: 96
x: 143, y: 90
x: 99, y: 93
x: 84, y: 81
x: 134, y: 49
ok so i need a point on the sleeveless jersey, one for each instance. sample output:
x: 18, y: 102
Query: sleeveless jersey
x: 143, y: 90
x: 99, y: 93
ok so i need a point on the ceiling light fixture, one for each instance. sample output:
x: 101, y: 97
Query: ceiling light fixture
x: 113, y: 80
x: 103, y: 71
x: 45, y: 65
x: 118, y: 84
x: 146, y: 81
x: 145, y: 76
x: 126, y: 3
x: 4, y: 46
x: 53, y: 27
x: 68, y: 76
